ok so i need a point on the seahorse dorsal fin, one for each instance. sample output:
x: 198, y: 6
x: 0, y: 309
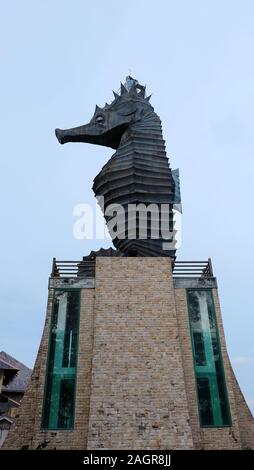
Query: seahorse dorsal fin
x: 123, y: 90
x: 133, y: 89
x: 115, y: 95
x: 142, y: 92
x: 97, y: 109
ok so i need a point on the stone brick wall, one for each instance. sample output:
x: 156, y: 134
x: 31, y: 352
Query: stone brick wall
x: 138, y: 396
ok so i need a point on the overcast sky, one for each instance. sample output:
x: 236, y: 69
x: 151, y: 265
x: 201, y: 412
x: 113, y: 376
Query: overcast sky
x: 58, y: 59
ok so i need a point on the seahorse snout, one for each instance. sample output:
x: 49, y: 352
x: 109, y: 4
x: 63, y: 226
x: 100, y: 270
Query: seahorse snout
x: 59, y: 135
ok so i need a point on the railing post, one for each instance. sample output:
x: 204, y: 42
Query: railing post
x: 53, y: 267
x: 210, y: 267
x: 54, y: 272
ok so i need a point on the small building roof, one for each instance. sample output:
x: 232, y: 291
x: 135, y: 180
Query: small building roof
x: 23, y: 374
x: 5, y: 422
x: 9, y: 371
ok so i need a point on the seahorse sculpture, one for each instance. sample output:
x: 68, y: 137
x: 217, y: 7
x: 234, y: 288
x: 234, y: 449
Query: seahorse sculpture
x: 137, y: 175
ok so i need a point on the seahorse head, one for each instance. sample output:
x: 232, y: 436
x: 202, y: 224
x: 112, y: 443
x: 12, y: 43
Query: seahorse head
x: 109, y: 123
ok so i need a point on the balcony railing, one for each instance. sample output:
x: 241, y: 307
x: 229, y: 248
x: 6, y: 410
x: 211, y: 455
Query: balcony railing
x: 68, y: 269
x: 193, y: 269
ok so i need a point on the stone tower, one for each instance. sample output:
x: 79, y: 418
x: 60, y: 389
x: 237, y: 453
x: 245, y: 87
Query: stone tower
x: 133, y: 353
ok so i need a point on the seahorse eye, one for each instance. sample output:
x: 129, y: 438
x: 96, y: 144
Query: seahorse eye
x: 99, y: 119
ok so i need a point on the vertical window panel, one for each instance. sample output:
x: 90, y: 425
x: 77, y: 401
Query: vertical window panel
x: 211, y: 386
x: 59, y: 399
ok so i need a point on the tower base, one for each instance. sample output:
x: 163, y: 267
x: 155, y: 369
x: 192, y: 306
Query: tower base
x: 135, y: 386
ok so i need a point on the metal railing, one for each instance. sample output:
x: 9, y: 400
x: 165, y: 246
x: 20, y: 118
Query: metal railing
x: 193, y: 269
x: 86, y: 268
x: 73, y: 268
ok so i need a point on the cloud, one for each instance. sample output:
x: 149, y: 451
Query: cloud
x: 242, y: 360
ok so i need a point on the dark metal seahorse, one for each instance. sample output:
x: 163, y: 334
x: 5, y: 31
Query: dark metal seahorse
x: 137, y: 173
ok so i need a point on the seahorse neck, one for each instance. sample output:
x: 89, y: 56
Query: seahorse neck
x: 144, y: 137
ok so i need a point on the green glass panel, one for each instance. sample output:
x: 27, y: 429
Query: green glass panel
x: 199, y: 348
x: 59, y: 400
x: 205, y: 404
x: 211, y: 386
x: 66, y: 404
